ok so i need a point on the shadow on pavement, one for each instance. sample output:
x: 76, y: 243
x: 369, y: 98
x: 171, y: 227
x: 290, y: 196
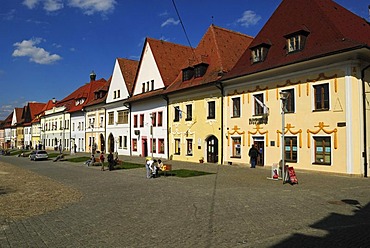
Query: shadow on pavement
x: 342, y: 230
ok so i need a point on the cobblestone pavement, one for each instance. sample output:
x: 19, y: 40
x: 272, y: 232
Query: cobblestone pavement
x: 233, y: 207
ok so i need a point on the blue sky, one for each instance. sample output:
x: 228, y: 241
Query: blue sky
x: 48, y: 48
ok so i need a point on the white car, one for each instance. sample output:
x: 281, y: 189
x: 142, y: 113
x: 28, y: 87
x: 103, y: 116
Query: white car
x: 38, y: 155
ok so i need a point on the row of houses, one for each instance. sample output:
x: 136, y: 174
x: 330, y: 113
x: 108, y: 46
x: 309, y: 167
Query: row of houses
x: 299, y: 89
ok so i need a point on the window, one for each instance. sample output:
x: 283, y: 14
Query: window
x: 124, y: 142
x: 236, y: 107
x: 114, y: 95
x: 147, y: 86
x: 143, y: 88
x: 141, y: 120
x: 177, y: 146
x: 258, y: 104
x: 152, y: 82
x: 321, y: 93
x: 290, y: 103
x: 110, y: 118
x: 177, y: 114
x: 322, y: 150
x: 118, y: 93
x: 134, y: 145
x: 120, y: 142
x: 101, y: 121
x: 200, y: 70
x: 296, y: 41
x: 236, y: 153
x: 160, y: 118
x: 161, y: 146
x: 120, y: 117
x: 135, y: 120
x: 125, y: 116
x: 189, y: 147
x: 291, y: 149
x: 259, y: 53
x: 154, y: 145
x: 189, y: 112
x: 211, y: 110
x: 154, y: 119
x: 187, y: 73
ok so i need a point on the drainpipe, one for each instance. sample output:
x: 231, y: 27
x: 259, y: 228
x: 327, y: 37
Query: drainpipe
x: 364, y: 154
x: 165, y: 97
x: 220, y: 86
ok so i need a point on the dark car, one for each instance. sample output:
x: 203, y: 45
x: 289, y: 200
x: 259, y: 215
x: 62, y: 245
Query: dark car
x: 38, y: 155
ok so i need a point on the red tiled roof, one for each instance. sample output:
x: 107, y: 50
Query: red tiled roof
x: 169, y: 58
x: 8, y: 121
x: 332, y: 29
x: 104, y: 89
x: 220, y: 49
x: 18, y: 114
x: 86, y: 91
x: 31, y: 111
x: 129, y: 69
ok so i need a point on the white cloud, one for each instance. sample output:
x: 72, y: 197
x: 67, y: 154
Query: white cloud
x: 249, y: 18
x: 91, y: 6
x: 165, y: 13
x: 170, y: 21
x: 53, y: 5
x: 48, y: 5
x: 31, y: 3
x: 8, y: 16
x: 28, y: 48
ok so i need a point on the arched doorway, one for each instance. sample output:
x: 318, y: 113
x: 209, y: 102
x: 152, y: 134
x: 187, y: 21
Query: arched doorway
x: 212, y: 149
x: 111, y: 143
x: 102, y: 143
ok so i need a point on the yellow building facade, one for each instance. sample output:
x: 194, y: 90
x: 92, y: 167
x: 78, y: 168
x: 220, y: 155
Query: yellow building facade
x: 323, y: 117
x: 195, y: 126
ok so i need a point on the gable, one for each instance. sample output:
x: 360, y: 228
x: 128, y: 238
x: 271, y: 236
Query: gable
x: 148, y: 74
x: 122, y: 80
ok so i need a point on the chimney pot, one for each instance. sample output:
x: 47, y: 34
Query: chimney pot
x: 92, y: 76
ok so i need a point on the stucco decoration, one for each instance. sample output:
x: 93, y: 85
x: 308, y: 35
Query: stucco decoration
x: 258, y: 88
x: 320, y: 77
x: 321, y: 127
x: 258, y: 130
x: 288, y: 128
x: 235, y: 130
x: 233, y: 94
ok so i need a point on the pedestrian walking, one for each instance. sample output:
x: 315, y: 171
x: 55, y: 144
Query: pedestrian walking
x: 110, y: 161
x: 253, y: 154
x: 102, y: 158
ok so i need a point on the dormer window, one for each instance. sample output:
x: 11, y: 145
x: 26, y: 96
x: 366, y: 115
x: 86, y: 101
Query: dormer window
x: 200, y: 70
x: 259, y: 53
x: 296, y: 41
x: 187, y: 73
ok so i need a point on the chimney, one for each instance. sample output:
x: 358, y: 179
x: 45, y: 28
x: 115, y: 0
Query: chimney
x: 92, y: 76
x: 54, y: 100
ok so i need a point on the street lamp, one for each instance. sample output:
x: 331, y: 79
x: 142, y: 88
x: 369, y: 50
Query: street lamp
x: 92, y: 139
x: 283, y: 97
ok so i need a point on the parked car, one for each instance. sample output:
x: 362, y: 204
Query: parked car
x: 38, y: 155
